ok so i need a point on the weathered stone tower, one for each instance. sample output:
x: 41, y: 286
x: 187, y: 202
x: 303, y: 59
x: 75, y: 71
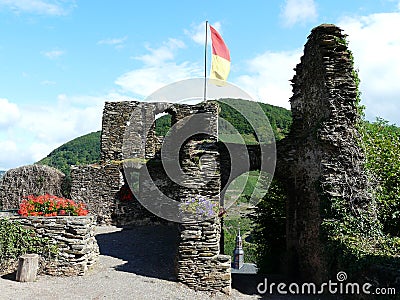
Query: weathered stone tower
x: 321, y: 161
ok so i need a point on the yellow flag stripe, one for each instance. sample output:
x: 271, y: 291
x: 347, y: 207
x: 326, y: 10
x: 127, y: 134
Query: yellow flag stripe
x: 220, y: 67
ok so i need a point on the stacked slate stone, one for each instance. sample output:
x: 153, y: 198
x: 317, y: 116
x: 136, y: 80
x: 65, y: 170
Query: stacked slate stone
x: 74, y: 237
x: 128, y: 140
x: 115, y: 118
x: 97, y: 186
x: 200, y: 266
x: 321, y: 159
x: 29, y: 180
x: 199, y: 262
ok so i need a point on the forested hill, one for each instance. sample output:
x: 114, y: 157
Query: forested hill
x: 279, y: 118
x: 2, y: 174
x: 79, y: 151
x: 86, y: 149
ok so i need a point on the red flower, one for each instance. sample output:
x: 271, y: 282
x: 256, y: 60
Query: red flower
x: 49, y: 205
x: 126, y: 194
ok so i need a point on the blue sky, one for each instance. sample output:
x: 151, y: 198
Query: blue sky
x: 60, y: 60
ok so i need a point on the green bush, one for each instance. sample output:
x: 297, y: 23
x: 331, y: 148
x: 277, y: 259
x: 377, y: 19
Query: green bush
x: 16, y: 240
x: 269, y: 231
x: 382, y: 147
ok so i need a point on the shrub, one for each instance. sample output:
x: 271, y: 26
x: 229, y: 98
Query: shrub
x: 269, y: 229
x: 49, y: 205
x: 382, y: 147
x: 16, y: 240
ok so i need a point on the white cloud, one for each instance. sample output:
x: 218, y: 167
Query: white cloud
x: 159, y: 69
x: 376, y: 48
x: 54, y: 125
x: 53, y: 54
x: 298, y: 11
x: 160, y: 55
x: 9, y: 113
x: 147, y: 80
x: 269, y: 77
x: 41, y: 129
x: 41, y: 7
x: 8, y: 146
x: 8, y: 150
x: 198, y: 34
x: 118, y: 43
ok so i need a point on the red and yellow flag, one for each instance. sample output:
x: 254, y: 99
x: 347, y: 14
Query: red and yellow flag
x: 221, y: 59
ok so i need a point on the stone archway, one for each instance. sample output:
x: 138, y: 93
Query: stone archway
x: 199, y: 263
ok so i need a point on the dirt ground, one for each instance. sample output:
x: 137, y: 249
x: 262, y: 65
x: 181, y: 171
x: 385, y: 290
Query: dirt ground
x: 134, y: 264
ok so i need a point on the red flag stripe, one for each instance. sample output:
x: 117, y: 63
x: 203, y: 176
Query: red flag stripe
x: 218, y: 45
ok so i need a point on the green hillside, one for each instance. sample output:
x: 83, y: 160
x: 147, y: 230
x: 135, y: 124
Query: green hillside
x: 86, y: 149
x: 279, y: 118
x: 82, y: 150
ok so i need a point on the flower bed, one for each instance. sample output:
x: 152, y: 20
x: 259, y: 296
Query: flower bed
x: 50, y: 206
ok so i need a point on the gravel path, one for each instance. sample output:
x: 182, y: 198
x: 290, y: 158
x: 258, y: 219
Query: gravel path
x: 134, y: 264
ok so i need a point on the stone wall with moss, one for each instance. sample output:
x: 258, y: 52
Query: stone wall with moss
x: 131, y: 159
x: 321, y: 161
x: 74, y: 238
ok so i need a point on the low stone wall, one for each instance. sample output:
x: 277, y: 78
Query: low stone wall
x: 74, y: 237
x: 199, y: 264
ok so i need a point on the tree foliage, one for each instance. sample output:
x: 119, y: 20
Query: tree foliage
x: 82, y: 150
x: 382, y: 147
x: 269, y: 229
x: 163, y: 124
x: 279, y: 118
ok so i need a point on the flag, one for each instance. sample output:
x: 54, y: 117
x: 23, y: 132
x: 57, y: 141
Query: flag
x: 221, y: 59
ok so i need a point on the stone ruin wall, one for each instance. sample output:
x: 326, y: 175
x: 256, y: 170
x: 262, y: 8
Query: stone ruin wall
x: 199, y: 263
x: 99, y: 186
x: 321, y: 158
x: 74, y: 237
x: 29, y: 180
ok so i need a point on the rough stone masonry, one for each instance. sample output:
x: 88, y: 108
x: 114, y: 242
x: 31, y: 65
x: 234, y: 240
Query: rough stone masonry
x: 74, y: 238
x: 321, y: 158
x: 199, y: 263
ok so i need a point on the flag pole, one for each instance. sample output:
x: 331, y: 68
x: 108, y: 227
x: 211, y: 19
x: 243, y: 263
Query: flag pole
x: 205, y: 66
